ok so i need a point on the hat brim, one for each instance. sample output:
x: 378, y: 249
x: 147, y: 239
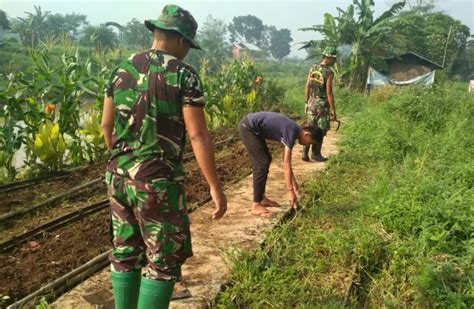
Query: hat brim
x: 329, y: 56
x: 152, y: 24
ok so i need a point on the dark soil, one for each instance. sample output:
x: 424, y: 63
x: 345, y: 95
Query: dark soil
x: 38, y: 262
x: 42, y: 191
x: 37, y: 193
x: 25, y: 269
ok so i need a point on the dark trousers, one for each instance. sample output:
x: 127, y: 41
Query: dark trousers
x: 259, y: 156
x: 315, y: 148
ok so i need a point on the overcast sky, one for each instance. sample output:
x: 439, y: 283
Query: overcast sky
x: 282, y: 14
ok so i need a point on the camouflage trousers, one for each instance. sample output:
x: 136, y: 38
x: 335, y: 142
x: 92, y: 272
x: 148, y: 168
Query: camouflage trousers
x: 150, y: 227
x: 320, y: 116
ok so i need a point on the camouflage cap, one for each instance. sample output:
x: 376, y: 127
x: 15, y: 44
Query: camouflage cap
x: 330, y: 52
x: 177, y: 19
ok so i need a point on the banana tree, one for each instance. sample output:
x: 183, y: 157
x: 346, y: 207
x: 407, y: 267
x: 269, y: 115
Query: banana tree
x: 31, y: 28
x: 356, y: 26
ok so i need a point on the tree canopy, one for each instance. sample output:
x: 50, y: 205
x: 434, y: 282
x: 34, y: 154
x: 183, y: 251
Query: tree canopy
x: 100, y: 37
x: 249, y: 28
x: 4, y: 22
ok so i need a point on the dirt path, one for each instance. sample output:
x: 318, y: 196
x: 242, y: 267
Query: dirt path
x: 207, y: 271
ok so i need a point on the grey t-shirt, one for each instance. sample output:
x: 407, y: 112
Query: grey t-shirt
x: 274, y: 126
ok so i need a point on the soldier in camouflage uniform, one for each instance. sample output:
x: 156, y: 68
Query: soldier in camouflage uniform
x: 319, y: 100
x: 151, y: 100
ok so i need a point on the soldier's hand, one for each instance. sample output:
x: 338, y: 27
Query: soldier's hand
x: 333, y: 116
x: 220, y: 203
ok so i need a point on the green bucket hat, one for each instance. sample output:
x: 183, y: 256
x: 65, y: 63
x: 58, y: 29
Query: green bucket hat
x: 175, y: 18
x: 330, y: 52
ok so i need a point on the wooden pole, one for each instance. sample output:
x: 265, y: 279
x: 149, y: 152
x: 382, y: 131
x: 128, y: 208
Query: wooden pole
x: 446, y: 47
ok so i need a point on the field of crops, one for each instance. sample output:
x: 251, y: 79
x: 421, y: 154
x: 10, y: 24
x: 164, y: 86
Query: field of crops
x: 51, y: 111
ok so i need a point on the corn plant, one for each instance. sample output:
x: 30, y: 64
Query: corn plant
x: 231, y: 92
x: 49, y: 146
x: 11, y: 137
x: 56, y: 88
x: 93, y: 136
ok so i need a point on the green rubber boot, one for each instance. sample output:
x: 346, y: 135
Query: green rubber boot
x: 126, y: 286
x: 155, y: 294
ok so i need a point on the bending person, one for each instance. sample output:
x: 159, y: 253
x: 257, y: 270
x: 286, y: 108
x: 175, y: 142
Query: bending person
x: 255, y: 129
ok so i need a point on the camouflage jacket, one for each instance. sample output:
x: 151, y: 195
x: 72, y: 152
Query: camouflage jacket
x: 319, y: 75
x: 149, y: 91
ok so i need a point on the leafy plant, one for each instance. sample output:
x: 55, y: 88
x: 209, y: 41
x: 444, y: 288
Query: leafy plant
x: 357, y: 27
x: 236, y: 89
x: 11, y: 140
x: 49, y: 145
x: 93, y: 136
x: 11, y: 135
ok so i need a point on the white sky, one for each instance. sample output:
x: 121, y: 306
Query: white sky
x: 282, y: 14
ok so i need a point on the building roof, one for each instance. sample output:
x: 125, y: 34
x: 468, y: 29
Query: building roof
x: 405, y: 57
x: 245, y: 45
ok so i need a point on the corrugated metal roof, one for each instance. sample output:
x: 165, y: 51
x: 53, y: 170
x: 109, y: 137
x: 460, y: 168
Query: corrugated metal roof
x: 249, y: 46
x: 417, y: 56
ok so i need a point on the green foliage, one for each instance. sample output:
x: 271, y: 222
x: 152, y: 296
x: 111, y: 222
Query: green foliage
x: 236, y: 90
x: 136, y: 35
x: 212, y: 37
x: 40, y: 26
x: 4, y: 22
x: 30, y: 28
x: 99, y: 37
x: 54, y: 88
x: 248, y: 28
x: 93, y: 136
x: 43, y: 304
x: 427, y: 35
x: 364, y: 34
x: 4, y: 299
x: 271, y: 40
x: 49, y: 146
x: 11, y: 137
x: 393, y: 212
x: 57, y: 25
x: 280, y: 43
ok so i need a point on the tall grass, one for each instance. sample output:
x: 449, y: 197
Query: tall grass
x: 393, y: 214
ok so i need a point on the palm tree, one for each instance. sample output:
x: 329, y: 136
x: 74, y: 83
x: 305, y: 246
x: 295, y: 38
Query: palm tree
x: 365, y: 35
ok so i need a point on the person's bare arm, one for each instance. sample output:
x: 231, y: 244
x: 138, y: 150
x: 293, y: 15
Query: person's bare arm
x: 330, y: 94
x: 289, y: 177
x: 306, y: 88
x: 204, y: 153
x: 107, y: 123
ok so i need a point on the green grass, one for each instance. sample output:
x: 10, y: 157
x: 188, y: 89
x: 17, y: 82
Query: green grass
x: 393, y: 213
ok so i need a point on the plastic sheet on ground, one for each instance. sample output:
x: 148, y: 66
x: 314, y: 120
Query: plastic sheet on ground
x: 377, y: 79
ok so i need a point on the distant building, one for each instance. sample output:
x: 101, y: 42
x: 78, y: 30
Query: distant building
x: 410, y: 65
x: 242, y: 48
